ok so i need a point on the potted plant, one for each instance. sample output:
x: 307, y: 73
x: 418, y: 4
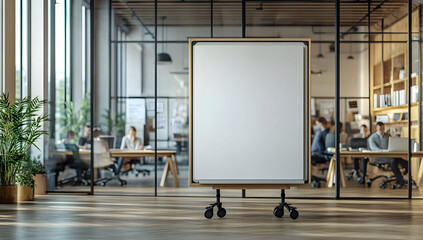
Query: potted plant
x: 26, y: 178
x: 20, y: 127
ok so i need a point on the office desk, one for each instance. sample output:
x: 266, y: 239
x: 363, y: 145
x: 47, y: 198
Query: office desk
x: 171, y: 163
x: 344, y: 154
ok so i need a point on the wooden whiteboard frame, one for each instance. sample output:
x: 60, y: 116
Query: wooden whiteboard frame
x: 192, y: 41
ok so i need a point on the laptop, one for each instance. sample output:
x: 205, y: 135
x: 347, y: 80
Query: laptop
x: 397, y: 144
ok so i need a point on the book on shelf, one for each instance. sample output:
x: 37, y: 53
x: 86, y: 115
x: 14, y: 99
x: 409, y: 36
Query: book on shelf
x: 414, y: 95
x: 375, y: 101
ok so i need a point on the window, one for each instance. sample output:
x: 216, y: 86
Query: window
x: 22, y: 53
x: 1, y: 47
x: 85, y: 33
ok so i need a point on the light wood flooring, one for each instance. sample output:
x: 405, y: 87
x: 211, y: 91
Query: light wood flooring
x: 147, y: 217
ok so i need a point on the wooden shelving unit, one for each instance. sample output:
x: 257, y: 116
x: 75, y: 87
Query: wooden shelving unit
x: 389, y: 77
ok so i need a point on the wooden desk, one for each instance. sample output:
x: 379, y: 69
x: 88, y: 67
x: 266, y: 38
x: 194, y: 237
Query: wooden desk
x: 368, y: 154
x: 171, y: 163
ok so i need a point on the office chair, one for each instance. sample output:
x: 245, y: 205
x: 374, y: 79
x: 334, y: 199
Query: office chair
x: 77, y: 164
x: 103, y: 160
x: 329, y: 143
x: 135, y: 170
x: 386, y: 168
x: 355, y: 145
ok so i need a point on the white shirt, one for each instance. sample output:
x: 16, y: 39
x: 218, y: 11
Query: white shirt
x: 128, y: 144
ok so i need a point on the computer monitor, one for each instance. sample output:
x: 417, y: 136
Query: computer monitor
x: 357, y: 143
x: 110, y: 141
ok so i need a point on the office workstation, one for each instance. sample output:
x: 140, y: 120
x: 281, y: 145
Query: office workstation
x: 207, y: 119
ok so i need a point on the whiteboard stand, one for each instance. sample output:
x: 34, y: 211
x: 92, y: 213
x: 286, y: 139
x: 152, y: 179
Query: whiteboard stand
x: 239, y: 83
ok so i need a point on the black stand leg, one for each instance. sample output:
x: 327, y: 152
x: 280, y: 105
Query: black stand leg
x: 279, y: 210
x: 221, y: 212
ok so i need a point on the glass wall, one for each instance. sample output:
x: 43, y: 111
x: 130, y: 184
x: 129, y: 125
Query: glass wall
x: 128, y: 82
x: 70, y: 110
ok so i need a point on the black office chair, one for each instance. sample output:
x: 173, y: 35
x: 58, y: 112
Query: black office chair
x: 329, y: 143
x: 355, y: 144
x: 76, y: 163
x: 386, y: 168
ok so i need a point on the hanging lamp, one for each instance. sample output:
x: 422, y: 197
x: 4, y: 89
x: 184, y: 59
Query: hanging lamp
x: 163, y: 57
x: 320, y: 55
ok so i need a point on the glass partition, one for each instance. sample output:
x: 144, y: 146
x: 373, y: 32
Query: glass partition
x: 69, y: 163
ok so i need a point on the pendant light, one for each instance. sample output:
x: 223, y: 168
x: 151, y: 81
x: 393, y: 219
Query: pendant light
x: 320, y: 55
x: 350, y: 57
x: 163, y: 57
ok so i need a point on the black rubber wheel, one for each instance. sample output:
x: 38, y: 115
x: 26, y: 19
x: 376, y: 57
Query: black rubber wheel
x: 294, y: 214
x: 124, y: 182
x: 103, y: 184
x: 208, y: 213
x: 349, y: 177
x: 136, y: 175
x: 221, y: 212
x: 278, y: 212
x: 383, y: 185
x: 369, y: 183
x: 315, y: 184
x: 393, y: 186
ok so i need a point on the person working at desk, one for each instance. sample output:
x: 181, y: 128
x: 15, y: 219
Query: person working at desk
x: 378, y: 142
x: 130, y: 142
x: 85, y: 140
x: 364, y: 131
x: 318, y: 147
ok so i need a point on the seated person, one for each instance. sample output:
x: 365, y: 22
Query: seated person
x: 318, y: 147
x: 85, y: 140
x: 70, y: 136
x: 378, y: 142
x: 131, y: 142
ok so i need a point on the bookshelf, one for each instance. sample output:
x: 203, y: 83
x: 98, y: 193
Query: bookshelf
x: 389, y: 89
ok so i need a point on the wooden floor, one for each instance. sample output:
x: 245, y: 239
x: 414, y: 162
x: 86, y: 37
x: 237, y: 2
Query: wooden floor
x: 147, y: 217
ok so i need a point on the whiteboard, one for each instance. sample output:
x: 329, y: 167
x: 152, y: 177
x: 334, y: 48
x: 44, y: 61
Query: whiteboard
x: 249, y: 112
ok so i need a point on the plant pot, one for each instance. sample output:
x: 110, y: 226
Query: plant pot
x: 9, y: 194
x: 40, y: 184
x: 25, y: 193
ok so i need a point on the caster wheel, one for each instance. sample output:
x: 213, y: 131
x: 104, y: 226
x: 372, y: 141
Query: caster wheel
x: 144, y: 174
x: 221, y: 212
x: 315, y: 184
x: 103, y: 184
x: 383, y: 185
x: 122, y: 183
x: 278, y: 212
x: 348, y: 176
x: 360, y: 180
x: 208, y: 213
x: 393, y: 187
x: 294, y: 214
x: 369, y: 183
x: 125, y: 182
x: 136, y: 175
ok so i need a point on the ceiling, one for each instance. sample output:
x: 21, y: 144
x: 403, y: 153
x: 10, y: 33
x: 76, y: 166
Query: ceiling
x: 271, y: 13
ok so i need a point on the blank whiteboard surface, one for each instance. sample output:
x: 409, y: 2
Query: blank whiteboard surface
x: 249, y: 112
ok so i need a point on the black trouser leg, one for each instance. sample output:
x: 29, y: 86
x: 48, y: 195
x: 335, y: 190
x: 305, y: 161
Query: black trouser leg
x: 120, y: 163
x: 364, y: 162
x: 396, y: 171
x: 356, y: 163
